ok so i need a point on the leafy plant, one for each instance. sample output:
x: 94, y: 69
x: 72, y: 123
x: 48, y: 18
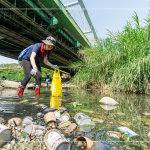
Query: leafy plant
x: 121, y: 61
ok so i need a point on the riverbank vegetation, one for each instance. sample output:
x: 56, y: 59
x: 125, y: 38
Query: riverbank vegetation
x: 14, y: 72
x: 121, y: 61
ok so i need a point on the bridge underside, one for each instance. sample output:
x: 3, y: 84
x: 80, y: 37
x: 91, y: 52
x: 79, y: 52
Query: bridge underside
x: 20, y: 27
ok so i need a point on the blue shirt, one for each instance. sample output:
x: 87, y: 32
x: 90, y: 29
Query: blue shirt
x: 47, y: 76
x: 38, y: 49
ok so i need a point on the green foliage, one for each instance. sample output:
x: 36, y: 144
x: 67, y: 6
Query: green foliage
x: 48, y: 71
x: 120, y: 61
x: 15, y: 72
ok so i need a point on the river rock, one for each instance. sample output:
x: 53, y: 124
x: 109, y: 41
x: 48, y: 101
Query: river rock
x: 14, y: 84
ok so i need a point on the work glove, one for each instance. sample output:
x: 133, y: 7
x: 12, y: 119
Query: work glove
x: 55, y: 67
x: 34, y: 72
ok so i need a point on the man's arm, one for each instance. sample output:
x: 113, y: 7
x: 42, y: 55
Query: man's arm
x: 32, y: 59
x: 46, y: 62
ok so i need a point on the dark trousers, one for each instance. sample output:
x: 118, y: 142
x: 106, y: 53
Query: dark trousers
x: 27, y: 68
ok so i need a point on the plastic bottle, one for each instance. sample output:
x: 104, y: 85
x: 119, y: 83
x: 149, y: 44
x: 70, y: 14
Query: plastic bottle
x: 24, y: 101
x: 119, y: 136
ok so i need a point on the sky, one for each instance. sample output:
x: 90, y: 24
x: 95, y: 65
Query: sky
x: 104, y: 14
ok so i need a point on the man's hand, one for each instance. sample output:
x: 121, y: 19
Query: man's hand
x: 34, y: 72
x: 55, y: 67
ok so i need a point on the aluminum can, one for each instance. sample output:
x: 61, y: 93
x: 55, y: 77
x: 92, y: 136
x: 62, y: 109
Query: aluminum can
x: 5, y: 135
x: 70, y: 128
x: 89, y: 143
x: 82, y: 119
x: 35, y: 130
x: 55, y: 141
x: 48, y: 117
x: 27, y: 120
x: 57, y: 114
x: 64, y: 117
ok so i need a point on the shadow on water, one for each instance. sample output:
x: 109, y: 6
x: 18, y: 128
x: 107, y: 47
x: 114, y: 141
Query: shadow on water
x: 107, y: 118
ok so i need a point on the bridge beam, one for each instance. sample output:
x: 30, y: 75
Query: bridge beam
x: 88, y: 19
x: 20, y: 40
x: 40, y: 12
x: 85, y: 32
x: 36, y: 25
x: 71, y: 4
x: 61, y: 14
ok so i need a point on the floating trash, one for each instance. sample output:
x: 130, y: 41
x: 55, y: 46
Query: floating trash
x: 46, y: 110
x: 5, y: 135
x: 82, y: 119
x: 70, y: 128
x: 64, y: 124
x: 16, y: 121
x: 127, y: 131
x: 55, y: 141
x: 51, y: 124
x: 24, y: 101
x: 57, y: 114
x: 27, y: 120
x: 31, y: 103
x: 64, y: 117
x: 89, y: 143
x: 35, y: 130
x: 98, y: 120
x: 108, y: 107
x: 42, y: 106
x: 49, y: 117
x: 39, y: 114
x: 146, y: 114
x: 87, y: 128
x: 108, y: 101
x: 62, y: 109
x: 149, y: 135
x: 119, y: 136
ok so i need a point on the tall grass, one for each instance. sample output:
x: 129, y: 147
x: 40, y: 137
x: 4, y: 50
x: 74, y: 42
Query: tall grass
x: 122, y: 60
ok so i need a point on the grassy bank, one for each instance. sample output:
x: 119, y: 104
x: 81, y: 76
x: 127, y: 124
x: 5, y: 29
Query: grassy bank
x: 14, y: 72
x: 121, y: 61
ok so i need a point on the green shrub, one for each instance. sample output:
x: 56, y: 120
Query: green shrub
x: 120, y: 61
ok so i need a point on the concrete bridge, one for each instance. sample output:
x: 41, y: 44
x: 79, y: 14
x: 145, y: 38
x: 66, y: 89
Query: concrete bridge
x: 25, y: 22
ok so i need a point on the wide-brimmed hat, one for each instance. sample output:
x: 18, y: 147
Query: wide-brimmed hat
x: 49, y: 41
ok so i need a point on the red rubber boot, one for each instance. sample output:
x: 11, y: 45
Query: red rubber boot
x: 20, y: 91
x: 37, y: 91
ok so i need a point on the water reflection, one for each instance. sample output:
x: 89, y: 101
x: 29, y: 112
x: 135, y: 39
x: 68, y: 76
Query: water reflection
x: 108, y: 107
x: 55, y: 102
x: 8, y: 92
x: 128, y: 113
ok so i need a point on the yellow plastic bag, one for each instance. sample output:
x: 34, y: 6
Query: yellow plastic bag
x: 56, y: 86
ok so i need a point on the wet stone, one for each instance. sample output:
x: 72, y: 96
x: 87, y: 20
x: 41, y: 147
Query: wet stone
x: 13, y: 142
x: 49, y: 110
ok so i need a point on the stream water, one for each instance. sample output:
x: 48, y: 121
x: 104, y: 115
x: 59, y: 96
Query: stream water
x: 128, y: 113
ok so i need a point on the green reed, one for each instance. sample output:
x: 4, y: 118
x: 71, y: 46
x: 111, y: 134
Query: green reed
x: 121, y: 61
